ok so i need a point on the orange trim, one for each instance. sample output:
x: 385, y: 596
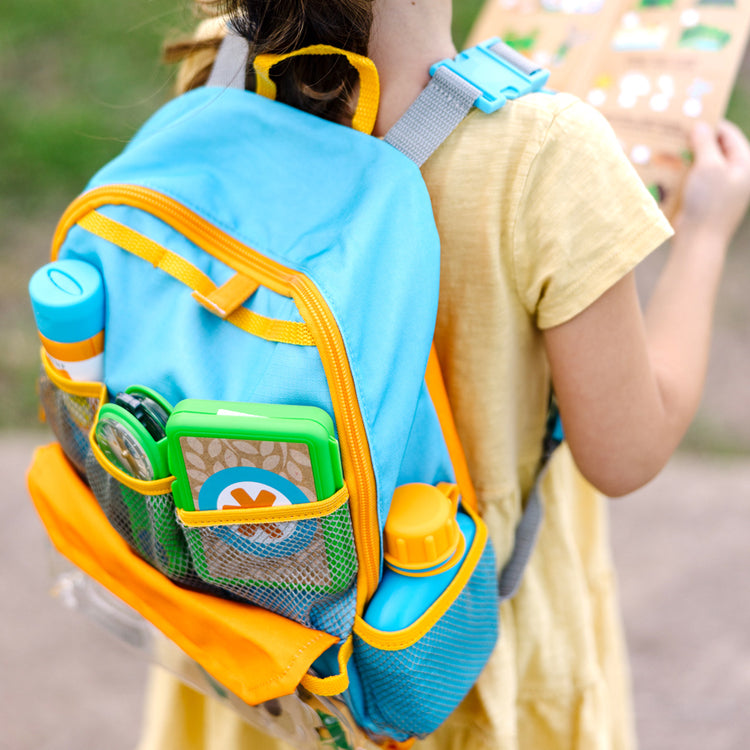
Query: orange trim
x: 254, y: 653
x: 76, y: 351
x: 395, y: 745
x: 439, y: 395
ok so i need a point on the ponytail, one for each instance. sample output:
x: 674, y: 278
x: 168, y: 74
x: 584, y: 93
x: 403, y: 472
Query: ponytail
x: 321, y: 85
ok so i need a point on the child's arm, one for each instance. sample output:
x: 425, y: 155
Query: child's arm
x: 628, y: 385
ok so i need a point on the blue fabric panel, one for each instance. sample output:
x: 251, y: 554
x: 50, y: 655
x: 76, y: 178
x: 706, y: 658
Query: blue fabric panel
x: 323, y: 199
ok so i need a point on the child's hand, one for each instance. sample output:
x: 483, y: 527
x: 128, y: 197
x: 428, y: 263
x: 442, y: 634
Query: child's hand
x: 717, y: 190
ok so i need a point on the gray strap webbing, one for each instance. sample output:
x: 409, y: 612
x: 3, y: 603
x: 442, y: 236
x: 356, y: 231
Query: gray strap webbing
x: 228, y: 70
x: 438, y: 110
x: 526, y: 534
x: 516, y: 59
x: 433, y: 116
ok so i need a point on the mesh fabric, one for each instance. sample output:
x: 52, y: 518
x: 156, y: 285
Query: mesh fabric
x: 411, y: 691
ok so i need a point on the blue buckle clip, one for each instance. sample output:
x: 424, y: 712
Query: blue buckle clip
x: 498, y: 79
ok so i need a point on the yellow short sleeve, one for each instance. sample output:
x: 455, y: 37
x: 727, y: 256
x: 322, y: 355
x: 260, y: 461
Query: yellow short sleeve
x: 584, y: 219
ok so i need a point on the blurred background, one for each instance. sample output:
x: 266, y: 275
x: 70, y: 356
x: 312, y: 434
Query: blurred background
x: 77, y: 78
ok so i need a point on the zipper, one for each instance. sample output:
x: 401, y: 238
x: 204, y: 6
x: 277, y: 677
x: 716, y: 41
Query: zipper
x: 314, y: 311
x: 316, y: 314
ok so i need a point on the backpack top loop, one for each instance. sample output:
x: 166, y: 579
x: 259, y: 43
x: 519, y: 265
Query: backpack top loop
x: 369, y: 93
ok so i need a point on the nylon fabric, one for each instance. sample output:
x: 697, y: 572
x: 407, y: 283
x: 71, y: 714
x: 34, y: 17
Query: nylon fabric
x: 433, y: 116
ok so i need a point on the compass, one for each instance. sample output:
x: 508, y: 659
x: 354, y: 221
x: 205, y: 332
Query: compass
x: 130, y: 432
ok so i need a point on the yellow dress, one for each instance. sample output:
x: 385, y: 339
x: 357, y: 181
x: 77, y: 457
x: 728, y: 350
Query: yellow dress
x: 539, y: 213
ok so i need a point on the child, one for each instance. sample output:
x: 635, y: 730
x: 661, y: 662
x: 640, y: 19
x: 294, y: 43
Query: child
x: 542, y: 221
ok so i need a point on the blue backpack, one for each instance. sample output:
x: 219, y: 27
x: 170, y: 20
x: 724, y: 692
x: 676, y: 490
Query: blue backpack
x: 263, y: 266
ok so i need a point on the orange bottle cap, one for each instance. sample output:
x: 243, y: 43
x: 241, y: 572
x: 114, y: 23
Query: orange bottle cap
x: 421, y: 530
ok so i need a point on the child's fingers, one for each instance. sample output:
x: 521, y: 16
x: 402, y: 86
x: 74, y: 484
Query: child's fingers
x: 733, y: 143
x: 705, y: 144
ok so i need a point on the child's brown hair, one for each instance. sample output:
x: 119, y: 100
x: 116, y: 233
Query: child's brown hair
x: 322, y: 85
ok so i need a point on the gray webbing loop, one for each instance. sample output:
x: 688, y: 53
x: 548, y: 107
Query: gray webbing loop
x: 433, y: 116
x: 516, y: 59
x: 525, y: 539
x: 228, y: 70
x: 527, y: 530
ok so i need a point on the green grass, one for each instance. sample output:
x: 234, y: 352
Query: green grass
x: 77, y: 79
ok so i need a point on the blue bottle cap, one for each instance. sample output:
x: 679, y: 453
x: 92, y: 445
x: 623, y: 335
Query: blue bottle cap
x: 67, y: 297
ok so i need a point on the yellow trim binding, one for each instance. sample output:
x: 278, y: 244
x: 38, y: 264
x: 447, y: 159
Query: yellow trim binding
x: 99, y: 392
x: 400, y: 639
x: 301, y: 512
x: 151, y: 488
x: 73, y: 387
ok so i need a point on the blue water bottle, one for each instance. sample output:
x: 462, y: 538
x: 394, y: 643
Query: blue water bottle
x: 67, y: 297
x: 425, y: 541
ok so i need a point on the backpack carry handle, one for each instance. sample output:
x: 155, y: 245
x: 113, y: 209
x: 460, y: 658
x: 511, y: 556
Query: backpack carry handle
x: 369, y: 83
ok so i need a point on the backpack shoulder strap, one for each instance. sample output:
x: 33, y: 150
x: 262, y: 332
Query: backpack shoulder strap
x: 485, y: 76
x: 230, y: 63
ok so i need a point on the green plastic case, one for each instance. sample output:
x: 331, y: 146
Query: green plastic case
x: 227, y: 455
x: 205, y: 438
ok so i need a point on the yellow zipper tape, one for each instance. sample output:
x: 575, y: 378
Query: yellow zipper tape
x: 301, y: 512
x: 355, y: 459
x: 401, y: 639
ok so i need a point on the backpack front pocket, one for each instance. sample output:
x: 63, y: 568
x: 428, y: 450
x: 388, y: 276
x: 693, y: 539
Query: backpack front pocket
x: 143, y: 513
x: 295, y: 560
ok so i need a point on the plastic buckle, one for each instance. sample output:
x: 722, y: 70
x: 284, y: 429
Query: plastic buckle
x: 497, y: 78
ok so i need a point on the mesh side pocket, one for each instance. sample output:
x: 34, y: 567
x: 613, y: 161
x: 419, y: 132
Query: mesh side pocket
x: 302, y: 569
x: 147, y: 523
x: 70, y: 418
x: 410, y: 691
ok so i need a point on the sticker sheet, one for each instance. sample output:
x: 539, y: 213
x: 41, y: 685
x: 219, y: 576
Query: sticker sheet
x: 652, y: 67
